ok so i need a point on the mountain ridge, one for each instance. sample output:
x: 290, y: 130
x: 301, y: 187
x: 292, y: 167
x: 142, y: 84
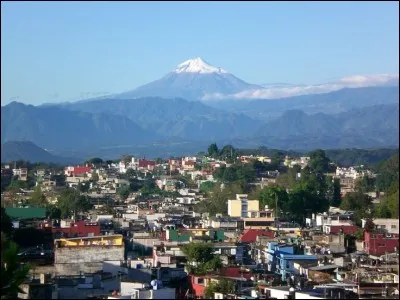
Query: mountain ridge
x: 29, y: 151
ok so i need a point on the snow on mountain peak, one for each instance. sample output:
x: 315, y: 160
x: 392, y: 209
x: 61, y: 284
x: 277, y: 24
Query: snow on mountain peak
x: 197, y: 65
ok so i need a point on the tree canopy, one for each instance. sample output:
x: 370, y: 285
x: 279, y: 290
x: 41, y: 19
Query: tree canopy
x: 319, y: 162
x: 200, y: 258
x: 213, y: 150
x: 71, y: 202
x: 13, y: 274
x: 38, y: 198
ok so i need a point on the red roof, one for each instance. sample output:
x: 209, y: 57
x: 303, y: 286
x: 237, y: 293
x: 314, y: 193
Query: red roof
x: 80, y: 170
x: 234, y: 272
x: 250, y: 235
x: 349, y: 229
x: 145, y: 163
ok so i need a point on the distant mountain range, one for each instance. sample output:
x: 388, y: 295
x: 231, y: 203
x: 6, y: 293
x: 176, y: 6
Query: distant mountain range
x: 180, y: 113
x: 54, y: 127
x: 28, y: 151
x: 176, y: 119
x: 117, y: 126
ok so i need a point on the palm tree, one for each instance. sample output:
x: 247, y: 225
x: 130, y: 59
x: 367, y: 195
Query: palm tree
x: 13, y: 274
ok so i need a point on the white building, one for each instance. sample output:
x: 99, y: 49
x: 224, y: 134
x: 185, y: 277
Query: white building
x: 390, y: 225
x: 134, y: 290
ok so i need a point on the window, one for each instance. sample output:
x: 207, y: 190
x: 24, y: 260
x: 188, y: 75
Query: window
x: 393, y: 226
x: 200, y: 281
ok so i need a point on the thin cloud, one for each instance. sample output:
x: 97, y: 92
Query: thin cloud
x: 278, y: 92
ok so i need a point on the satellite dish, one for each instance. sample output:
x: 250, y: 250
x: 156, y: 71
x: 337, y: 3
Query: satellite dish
x: 153, y: 283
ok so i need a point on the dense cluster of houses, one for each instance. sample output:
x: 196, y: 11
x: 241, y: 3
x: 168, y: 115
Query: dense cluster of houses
x: 135, y: 251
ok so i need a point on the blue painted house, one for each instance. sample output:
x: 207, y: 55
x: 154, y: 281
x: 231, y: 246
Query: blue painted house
x: 282, y: 257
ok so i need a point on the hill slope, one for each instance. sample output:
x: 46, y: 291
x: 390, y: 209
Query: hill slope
x: 375, y: 126
x: 174, y: 118
x: 56, y: 127
x: 28, y: 151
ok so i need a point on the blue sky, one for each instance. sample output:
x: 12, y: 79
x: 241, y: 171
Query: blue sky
x: 59, y: 51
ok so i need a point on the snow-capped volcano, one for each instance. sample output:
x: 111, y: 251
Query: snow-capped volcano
x: 191, y: 80
x: 197, y: 65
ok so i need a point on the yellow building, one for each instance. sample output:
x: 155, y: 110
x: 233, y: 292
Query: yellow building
x: 242, y: 207
x: 103, y: 240
x: 264, y: 159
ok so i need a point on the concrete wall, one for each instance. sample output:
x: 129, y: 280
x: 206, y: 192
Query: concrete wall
x: 146, y: 242
x: 88, y: 254
x: 73, y: 260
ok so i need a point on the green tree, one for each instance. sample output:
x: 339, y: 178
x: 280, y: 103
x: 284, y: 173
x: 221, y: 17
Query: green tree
x: 288, y: 179
x: 200, y: 258
x: 365, y: 184
x: 37, y: 197
x: 306, y: 198
x: 229, y: 175
x: 336, y: 193
x: 83, y: 187
x: 246, y: 172
x: 224, y: 286
x: 131, y: 174
x: 6, y: 223
x: 388, y: 173
x: 217, y: 203
x: 124, y: 192
x: 53, y: 212
x: 13, y: 274
x: 356, y: 201
x: 107, y: 210
x: 210, y: 290
x: 149, y: 187
x: 389, y: 205
x: 213, y: 150
x: 5, y: 182
x: 95, y: 161
x: 16, y: 184
x: 207, y: 186
x: 135, y: 185
x: 359, y: 203
x: 318, y: 163
x: 71, y: 202
x: 228, y: 153
x: 269, y: 194
x: 359, y: 235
